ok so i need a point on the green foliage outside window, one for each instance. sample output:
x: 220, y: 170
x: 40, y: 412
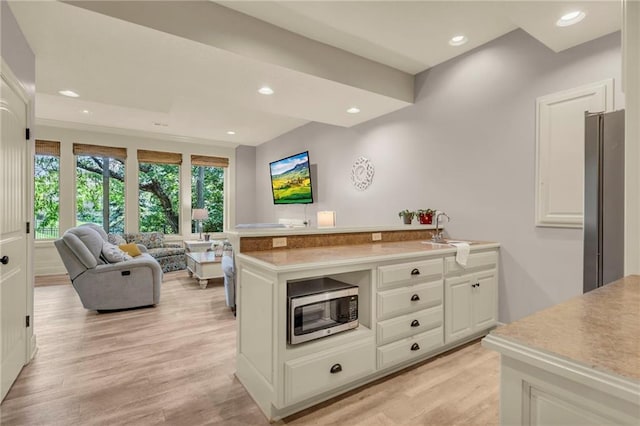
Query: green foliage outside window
x: 47, y: 196
x: 159, y: 198
x: 93, y: 186
x: 207, y: 191
x: 159, y: 190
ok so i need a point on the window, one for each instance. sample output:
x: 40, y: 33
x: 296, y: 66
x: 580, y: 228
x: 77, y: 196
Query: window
x: 100, y: 186
x: 47, y: 190
x: 207, y: 190
x: 159, y: 185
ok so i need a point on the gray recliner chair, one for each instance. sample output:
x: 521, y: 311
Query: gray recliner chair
x: 107, y: 286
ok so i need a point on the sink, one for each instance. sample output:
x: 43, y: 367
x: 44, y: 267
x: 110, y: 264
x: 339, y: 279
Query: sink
x: 438, y: 245
x: 459, y: 241
x: 446, y: 243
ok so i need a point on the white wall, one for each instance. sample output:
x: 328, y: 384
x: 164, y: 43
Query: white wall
x: 466, y: 147
x: 47, y: 261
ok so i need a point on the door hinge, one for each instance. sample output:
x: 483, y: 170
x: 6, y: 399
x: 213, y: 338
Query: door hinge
x: 28, y: 320
x: 28, y: 227
x: 27, y: 133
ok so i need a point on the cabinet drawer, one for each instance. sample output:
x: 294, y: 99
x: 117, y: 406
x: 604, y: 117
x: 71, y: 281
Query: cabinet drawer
x: 311, y: 375
x: 410, y: 324
x: 408, y: 272
x: 408, y: 299
x: 486, y: 260
x: 412, y: 347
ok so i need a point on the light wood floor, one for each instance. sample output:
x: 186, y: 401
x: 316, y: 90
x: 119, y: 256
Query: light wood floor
x: 174, y: 364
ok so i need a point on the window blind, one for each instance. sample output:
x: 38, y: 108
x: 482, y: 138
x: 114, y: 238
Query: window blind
x: 100, y: 151
x: 204, y: 160
x: 159, y: 157
x: 48, y: 148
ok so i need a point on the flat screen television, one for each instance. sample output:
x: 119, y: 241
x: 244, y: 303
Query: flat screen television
x: 291, y: 180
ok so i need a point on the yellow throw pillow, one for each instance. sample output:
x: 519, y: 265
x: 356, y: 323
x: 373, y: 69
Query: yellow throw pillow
x: 131, y: 249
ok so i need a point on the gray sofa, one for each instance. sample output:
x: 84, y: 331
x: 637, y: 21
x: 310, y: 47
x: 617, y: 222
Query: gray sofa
x: 107, y: 286
x: 170, y: 256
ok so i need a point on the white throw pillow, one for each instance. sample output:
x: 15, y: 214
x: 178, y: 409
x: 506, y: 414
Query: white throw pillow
x: 116, y: 239
x: 113, y: 254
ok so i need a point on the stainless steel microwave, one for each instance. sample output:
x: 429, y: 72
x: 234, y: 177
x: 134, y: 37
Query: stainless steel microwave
x: 319, y: 308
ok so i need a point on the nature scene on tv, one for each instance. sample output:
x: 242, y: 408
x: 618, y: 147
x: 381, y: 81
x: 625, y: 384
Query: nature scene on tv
x: 291, y: 180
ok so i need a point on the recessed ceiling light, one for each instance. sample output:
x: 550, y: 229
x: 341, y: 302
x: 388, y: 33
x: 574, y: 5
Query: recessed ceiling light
x: 353, y: 110
x: 85, y: 111
x: 458, y: 40
x: 160, y: 124
x: 231, y: 132
x: 265, y: 90
x: 571, y: 18
x: 69, y: 93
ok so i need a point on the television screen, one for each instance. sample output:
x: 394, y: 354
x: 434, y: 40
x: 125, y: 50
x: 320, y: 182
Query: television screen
x: 291, y: 180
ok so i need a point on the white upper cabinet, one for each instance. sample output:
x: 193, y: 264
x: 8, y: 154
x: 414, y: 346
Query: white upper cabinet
x: 560, y: 151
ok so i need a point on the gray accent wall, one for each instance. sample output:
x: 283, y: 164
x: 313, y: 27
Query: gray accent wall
x: 466, y: 147
x: 245, y: 184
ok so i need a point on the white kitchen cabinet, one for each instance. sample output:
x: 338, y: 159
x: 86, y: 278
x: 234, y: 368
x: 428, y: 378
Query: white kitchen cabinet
x: 471, y: 304
x: 401, y: 310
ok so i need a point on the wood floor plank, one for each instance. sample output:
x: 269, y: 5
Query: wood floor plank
x: 174, y: 364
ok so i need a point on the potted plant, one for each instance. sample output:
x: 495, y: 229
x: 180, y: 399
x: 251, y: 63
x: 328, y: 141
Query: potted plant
x: 425, y: 216
x: 207, y: 227
x: 407, y: 216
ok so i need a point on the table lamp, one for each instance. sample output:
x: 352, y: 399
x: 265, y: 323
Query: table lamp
x: 326, y: 219
x: 199, y: 215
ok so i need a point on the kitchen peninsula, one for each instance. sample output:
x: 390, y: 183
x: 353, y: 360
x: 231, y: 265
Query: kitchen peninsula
x: 415, y: 301
x: 577, y: 362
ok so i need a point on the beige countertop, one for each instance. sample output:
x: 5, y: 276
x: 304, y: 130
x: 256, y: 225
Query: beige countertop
x: 288, y: 258
x: 599, y: 329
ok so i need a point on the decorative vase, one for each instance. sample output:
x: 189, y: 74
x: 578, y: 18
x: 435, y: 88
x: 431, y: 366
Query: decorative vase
x: 426, y: 219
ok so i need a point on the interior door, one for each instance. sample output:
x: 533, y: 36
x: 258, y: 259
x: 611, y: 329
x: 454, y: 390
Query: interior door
x: 13, y: 237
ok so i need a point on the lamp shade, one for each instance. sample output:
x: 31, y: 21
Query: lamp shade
x: 326, y: 219
x: 199, y: 214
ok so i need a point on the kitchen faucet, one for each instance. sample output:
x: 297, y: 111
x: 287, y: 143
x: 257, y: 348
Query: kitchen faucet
x: 437, y: 237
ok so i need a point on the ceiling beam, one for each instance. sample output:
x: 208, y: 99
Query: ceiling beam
x: 223, y: 28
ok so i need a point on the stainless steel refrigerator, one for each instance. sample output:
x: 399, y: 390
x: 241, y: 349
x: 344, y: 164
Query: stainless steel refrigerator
x: 603, y: 199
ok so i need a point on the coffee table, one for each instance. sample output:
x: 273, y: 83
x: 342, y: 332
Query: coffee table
x: 197, y: 245
x: 204, y: 266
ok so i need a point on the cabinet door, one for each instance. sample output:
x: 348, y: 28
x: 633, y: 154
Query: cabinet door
x: 485, y: 306
x: 458, y: 318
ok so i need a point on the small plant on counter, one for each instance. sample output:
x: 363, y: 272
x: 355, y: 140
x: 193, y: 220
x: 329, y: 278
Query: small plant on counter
x: 207, y: 227
x: 425, y: 216
x: 407, y: 216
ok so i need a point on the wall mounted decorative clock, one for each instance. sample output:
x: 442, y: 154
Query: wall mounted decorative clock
x: 362, y: 173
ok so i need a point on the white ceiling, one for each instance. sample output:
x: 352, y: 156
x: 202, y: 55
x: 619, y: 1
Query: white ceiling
x: 193, y: 69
